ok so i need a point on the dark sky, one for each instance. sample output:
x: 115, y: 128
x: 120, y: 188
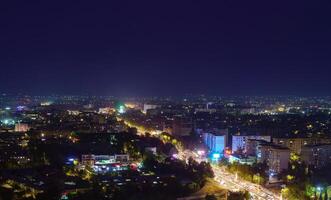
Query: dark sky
x: 224, y: 47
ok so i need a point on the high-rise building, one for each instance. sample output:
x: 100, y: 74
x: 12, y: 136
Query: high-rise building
x: 182, y: 126
x: 296, y: 144
x: 253, y: 147
x: 239, y: 142
x: 276, y: 157
x: 216, y: 140
x: 316, y: 156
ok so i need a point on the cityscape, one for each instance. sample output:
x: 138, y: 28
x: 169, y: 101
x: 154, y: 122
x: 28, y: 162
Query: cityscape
x: 198, y: 147
x: 162, y: 100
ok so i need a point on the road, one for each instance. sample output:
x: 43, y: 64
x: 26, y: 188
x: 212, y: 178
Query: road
x: 227, y: 180
x: 232, y: 182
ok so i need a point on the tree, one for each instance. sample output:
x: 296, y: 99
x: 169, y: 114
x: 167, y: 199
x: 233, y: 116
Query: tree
x: 193, y: 187
x: 239, y: 196
x: 6, y: 194
x: 150, y: 162
x: 206, y: 169
x: 132, y: 150
x: 247, y: 195
x: 53, y: 190
x: 211, y: 197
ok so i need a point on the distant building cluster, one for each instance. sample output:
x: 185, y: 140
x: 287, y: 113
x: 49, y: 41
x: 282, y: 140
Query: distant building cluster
x: 21, y: 127
x: 275, y: 152
x: 106, y: 137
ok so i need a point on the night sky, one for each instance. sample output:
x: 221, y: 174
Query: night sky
x: 224, y: 47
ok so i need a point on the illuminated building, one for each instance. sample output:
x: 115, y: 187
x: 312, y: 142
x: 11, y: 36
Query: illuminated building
x: 106, y: 110
x: 8, y: 122
x: 106, y: 163
x: 21, y: 108
x: 296, y: 144
x: 205, y: 110
x: 73, y: 112
x: 216, y: 140
x: 46, y: 103
x: 253, y: 148
x: 131, y: 105
x: 91, y: 159
x: 149, y: 107
x: 239, y: 142
x: 20, y: 127
x: 247, y: 160
x: 121, y: 109
x: 88, y: 159
x: 104, y: 159
x: 216, y: 156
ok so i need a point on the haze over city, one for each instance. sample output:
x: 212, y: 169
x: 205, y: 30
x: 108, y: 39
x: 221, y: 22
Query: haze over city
x: 153, y: 48
x: 165, y: 100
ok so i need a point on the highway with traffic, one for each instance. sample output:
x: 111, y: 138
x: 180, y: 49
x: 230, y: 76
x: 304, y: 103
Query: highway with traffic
x: 226, y: 180
x: 232, y: 182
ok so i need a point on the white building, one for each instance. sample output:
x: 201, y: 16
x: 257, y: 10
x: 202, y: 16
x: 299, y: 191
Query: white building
x: 239, y: 142
x: 253, y: 147
x: 149, y: 107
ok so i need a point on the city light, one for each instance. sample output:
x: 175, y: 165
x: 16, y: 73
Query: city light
x: 201, y: 152
x: 72, y: 161
x: 8, y: 121
x: 20, y: 108
x: 216, y: 156
x: 121, y: 109
x: 184, y: 100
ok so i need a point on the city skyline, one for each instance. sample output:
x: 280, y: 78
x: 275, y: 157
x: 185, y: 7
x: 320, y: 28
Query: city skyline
x: 165, y: 100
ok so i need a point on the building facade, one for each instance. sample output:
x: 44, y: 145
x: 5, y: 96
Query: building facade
x: 276, y: 157
x: 316, y: 156
x: 296, y: 144
x: 216, y: 140
x: 239, y: 142
x: 21, y: 127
